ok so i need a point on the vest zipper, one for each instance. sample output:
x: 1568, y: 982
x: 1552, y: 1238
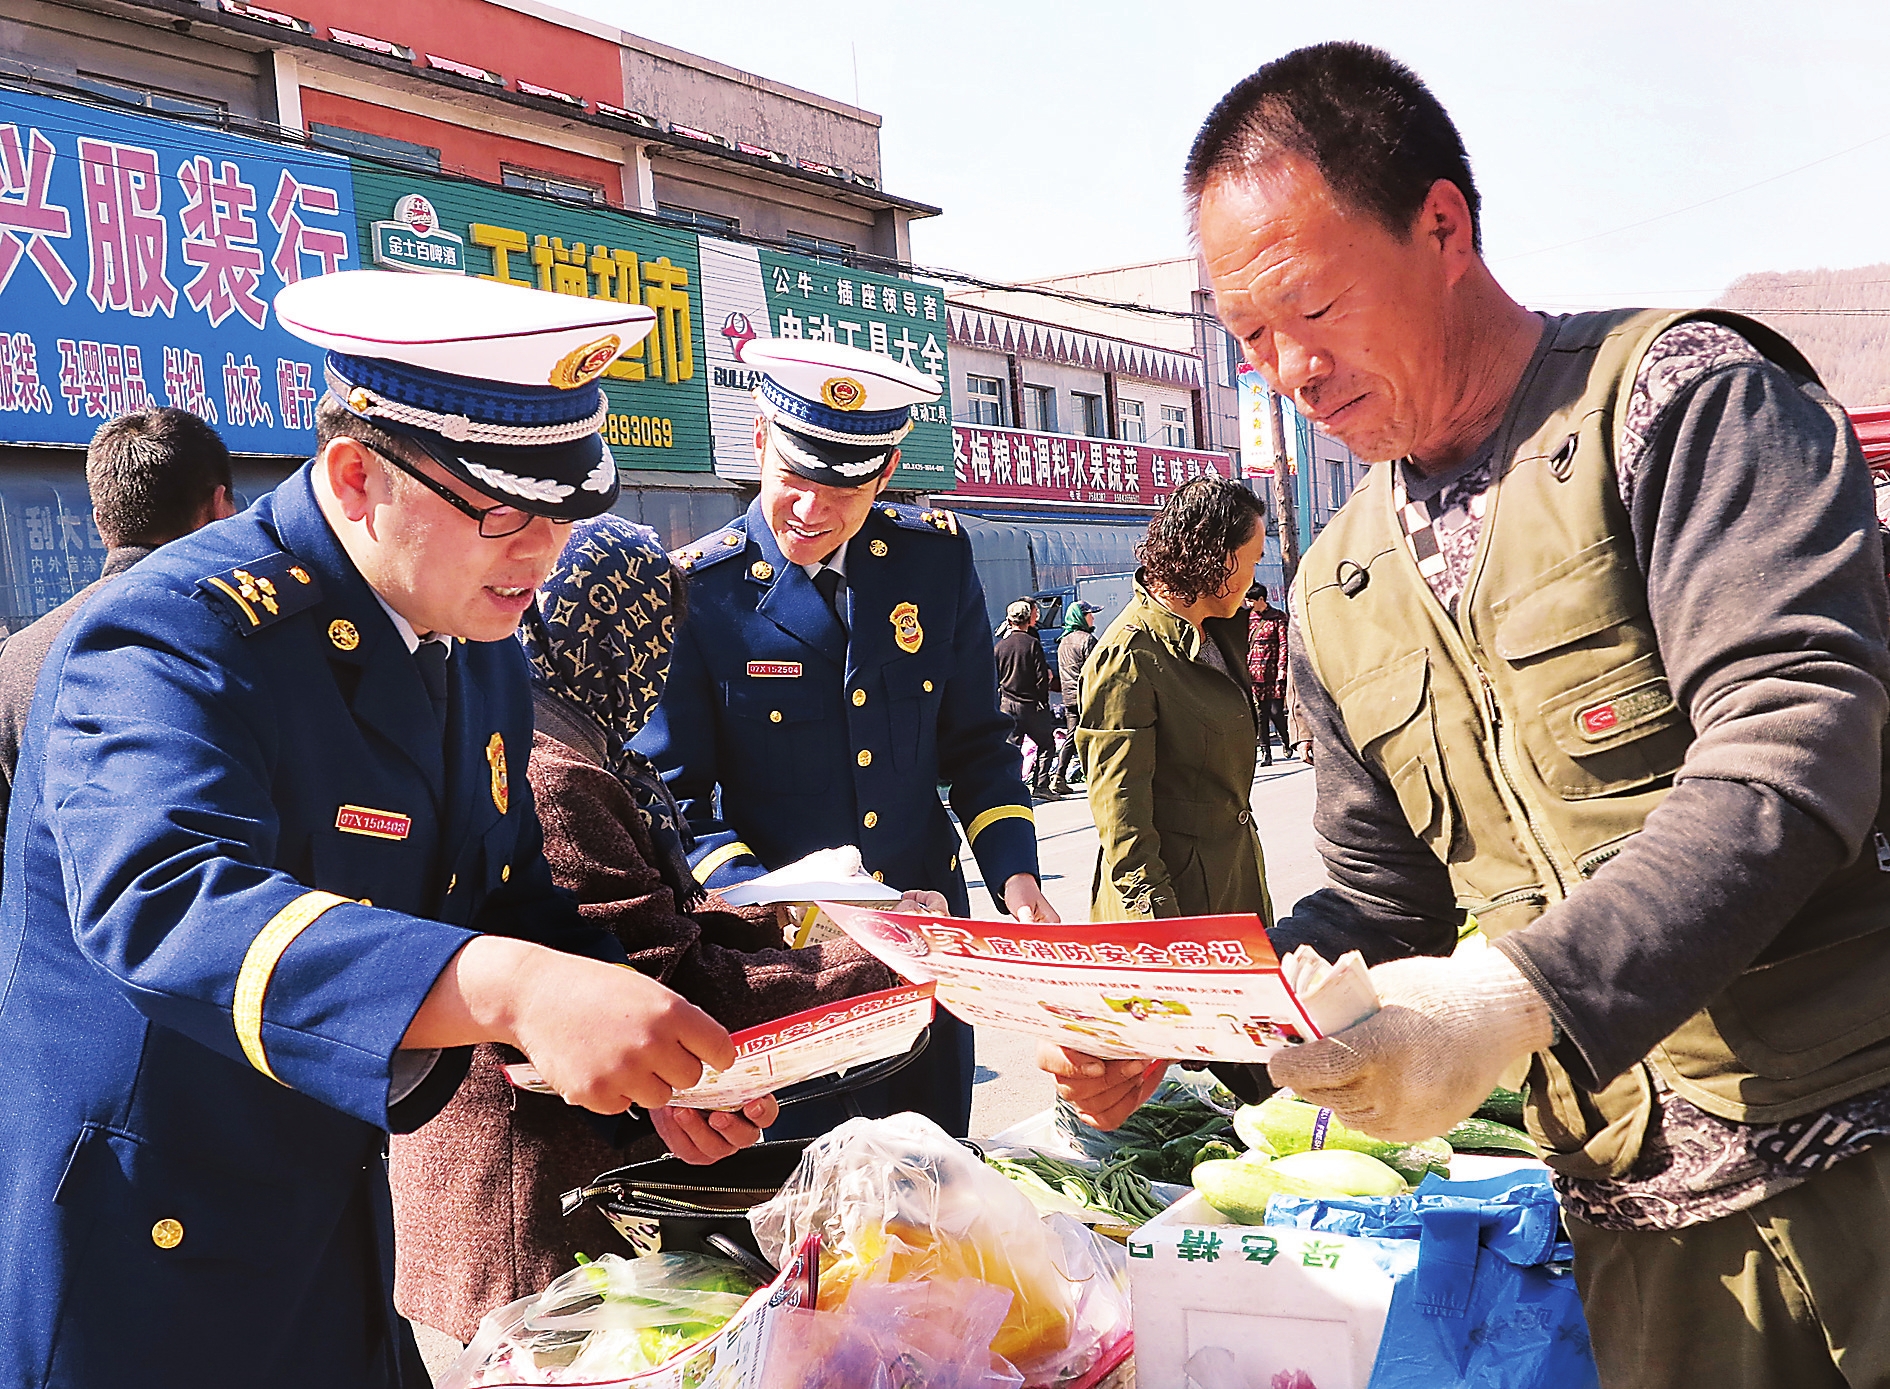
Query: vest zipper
x: 1494, y: 712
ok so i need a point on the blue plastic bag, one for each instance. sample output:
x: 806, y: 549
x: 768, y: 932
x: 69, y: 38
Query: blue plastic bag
x: 1490, y: 1302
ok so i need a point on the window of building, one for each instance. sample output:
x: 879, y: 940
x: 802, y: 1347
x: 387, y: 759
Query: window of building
x: 1338, y: 484
x: 984, y: 398
x: 1129, y: 412
x: 1089, y: 414
x: 383, y: 147
x: 1174, y: 427
x: 701, y: 221
x: 1040, y: 408
x: 570, y: 189
x: 151, y: 98
x: 826, y: 251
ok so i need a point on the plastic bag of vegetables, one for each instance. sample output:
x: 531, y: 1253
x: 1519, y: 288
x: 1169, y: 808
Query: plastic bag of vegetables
x: 897, y: 1200
x: 605, y: 1320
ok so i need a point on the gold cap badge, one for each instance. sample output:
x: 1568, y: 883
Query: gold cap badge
x: 343, y: 634
x: 842, y: 393
x: 585, y: 364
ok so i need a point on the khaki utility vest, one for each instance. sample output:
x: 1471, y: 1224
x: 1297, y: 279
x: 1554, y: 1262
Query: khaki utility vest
x: 1528, y: 741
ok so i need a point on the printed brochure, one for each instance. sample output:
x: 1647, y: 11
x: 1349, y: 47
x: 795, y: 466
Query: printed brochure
x: 1205, y: 988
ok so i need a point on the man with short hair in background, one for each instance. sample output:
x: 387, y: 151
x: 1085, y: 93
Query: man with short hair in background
x: 1024, y: 691
x: 154, y: 475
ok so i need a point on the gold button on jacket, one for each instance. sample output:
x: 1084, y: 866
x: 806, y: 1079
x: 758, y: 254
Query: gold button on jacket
x: 167, y: 1234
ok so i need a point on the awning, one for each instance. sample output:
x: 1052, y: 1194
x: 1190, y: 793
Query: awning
x: 1873, y: 431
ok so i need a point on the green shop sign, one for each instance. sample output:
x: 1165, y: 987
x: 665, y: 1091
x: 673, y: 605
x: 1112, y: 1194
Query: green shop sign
x: 658, y: 390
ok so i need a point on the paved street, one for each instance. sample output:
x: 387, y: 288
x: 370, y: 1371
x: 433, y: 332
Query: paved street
x: 1010, y: 1087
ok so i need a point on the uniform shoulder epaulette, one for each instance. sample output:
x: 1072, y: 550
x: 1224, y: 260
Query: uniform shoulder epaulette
x: 261, y: 592
x: 726, y: 543
x: 913, y: 518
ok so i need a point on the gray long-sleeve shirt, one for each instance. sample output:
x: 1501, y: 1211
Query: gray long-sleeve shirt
x: 1754, y: 527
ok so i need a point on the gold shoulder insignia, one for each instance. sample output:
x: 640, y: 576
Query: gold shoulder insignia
x: 261, y: 592
x: 911, y: 518
x: 712, y: 549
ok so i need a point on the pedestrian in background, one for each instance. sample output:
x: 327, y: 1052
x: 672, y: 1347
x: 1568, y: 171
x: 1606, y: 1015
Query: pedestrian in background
x: 1167, y: 724
x: 1266, y: 663
x: 1079, y: 639
x: 1024, y: 691
x: 153, y: 475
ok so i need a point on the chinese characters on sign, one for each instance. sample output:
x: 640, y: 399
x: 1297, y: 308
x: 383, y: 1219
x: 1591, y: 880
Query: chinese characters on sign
x: 1022, y: 465
x: 178, y: 237
x: 657, y: 388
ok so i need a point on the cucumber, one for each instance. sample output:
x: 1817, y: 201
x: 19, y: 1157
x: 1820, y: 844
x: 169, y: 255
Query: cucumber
x: 1282, y: 1125
x: 1502, y: 1107
x: 1485, y: 1136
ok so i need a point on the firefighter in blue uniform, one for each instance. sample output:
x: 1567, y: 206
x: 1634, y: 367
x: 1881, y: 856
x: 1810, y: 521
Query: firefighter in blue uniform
x: 273, y: 865
x: 835, y: 667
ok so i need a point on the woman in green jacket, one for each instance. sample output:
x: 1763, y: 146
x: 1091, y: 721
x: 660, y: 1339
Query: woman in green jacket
x: 1167, y: 725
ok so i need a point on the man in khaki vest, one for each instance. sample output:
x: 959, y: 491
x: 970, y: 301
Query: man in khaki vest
x: 1596, y: 655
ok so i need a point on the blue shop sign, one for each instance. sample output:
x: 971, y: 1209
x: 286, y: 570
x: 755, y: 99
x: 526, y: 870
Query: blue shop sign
x: 138, y: 259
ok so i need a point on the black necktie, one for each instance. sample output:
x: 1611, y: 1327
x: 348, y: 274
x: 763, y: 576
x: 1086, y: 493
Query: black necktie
x: 431, y: 658
x: 829, y: 582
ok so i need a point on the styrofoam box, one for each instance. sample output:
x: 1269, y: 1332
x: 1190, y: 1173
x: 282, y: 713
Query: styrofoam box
x: 1279, y: 1300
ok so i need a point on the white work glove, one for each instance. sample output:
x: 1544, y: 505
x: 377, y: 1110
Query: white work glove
x: 1447, y: 1031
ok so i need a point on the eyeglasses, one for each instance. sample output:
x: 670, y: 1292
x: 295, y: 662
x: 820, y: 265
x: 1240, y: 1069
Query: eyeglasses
x: 495, y: 522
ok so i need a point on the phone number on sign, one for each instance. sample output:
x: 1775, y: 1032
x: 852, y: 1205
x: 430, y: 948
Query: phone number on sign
x: 639, y: 431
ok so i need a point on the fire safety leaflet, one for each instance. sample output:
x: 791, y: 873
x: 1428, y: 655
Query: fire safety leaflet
x: 1188, y: 988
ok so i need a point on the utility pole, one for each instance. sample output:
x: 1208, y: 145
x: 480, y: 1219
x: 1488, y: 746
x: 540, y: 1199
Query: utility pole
x: 1284, y: 512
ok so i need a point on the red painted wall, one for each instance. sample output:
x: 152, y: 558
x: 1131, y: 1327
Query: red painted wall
x: 462, y: 151
x: 482, y: 35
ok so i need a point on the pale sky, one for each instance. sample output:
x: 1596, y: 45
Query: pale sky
x: 1053, y: 134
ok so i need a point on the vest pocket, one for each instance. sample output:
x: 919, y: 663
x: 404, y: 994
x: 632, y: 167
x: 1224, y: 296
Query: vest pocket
x: 1617, y: 732
x: 1389, y: 713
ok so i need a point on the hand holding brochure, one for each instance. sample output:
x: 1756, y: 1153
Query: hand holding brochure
x: 1190, y: 988
x: 820, y: 1041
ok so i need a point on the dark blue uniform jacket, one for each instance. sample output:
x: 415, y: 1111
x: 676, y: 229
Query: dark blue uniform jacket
x: 239, y: 857
x: 781, y: 732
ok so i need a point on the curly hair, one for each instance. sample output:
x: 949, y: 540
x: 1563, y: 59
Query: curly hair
x: 1192, y: 536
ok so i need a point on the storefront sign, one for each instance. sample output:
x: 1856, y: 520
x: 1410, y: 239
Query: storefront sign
x: 1024, y: 466
x: 138, y: 259
x: 753, y: 292
x: 658, y: 392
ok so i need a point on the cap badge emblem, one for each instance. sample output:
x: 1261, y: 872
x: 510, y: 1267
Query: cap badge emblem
x: 762, y: 570
x: 842, y: 393
x: 501, y: 788
x: 343, y: 634
x: 906, y: 629
x: 878, y: 547
x: 583, y: 365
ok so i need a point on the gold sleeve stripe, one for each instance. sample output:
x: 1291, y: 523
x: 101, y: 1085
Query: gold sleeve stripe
x: 240, y: 602
x: 996, y: 813
x: 714, y: 860
x: 259, y: 966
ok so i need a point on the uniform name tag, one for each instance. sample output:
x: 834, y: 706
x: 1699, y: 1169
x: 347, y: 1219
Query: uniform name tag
x: 379, y: 824
x: 775, y: 670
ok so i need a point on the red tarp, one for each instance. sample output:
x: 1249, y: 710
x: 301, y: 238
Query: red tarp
x: 1873, y: 432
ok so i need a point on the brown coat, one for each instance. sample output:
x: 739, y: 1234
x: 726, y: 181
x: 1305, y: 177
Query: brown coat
x: 476, y: 1191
